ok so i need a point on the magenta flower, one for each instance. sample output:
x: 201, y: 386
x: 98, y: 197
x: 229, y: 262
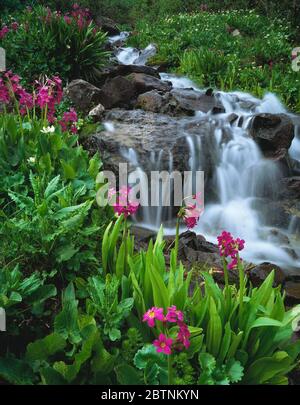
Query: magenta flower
x: 14, y: 26
x: 69, y: 120
x: 174, y: 315
x: 153, y: 314
x: 163, y: 344
x: 124, y: 203
x: 4, y: 31
x: 184, y: 335
x: 230, y: 247
x: 191, y: 215
x: 4, y: 93
x: 43, y: 97
x: 68, y: 19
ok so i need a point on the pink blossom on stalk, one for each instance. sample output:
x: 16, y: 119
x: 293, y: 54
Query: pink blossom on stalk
x: 184, y: 335
x: 191, y: 215
x: 229, y: 247
x: 69, y: 120
x: 174, y: 315
x: 4, y: 93
x: 26, y: 101
x: 163, y: 344
x: 153, y: 314
x: 68, y: 19
x: 4, y: 31
x: 14, y: 26
x: 43, y: 96
x: 124, y: 204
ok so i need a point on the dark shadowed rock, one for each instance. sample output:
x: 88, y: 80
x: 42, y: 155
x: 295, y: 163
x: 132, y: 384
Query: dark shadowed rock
x: 290, y: 188
x: 150, y: 101
x: 83, y: 95
x: 107, y: 25
x: 117, y: 92
x: 292, y: 290
x: 143, y: 83
x: 274, y: 134
x: 110, y: 72
x: 258, y: 274
x: 192, y: 100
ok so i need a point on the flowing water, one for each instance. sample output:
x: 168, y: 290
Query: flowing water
x: 245, y: 183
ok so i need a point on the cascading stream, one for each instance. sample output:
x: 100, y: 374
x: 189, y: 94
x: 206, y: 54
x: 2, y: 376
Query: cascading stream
x: 244, y: 181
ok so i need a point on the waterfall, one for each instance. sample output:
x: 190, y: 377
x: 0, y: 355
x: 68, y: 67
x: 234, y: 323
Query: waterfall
x: 244, y: 181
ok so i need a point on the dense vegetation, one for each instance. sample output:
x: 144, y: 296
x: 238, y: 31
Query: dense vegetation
x: 83, y: 305
x: 227, y: 50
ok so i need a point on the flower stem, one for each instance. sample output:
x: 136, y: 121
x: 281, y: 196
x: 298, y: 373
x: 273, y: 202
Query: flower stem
x: 177, y: 239
x: 226, y: 278
x: 242, y: 287
x: 125, y: 233
x: 170, y: 370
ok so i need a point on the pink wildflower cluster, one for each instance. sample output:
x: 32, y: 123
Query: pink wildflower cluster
x: 80, y: 16
x: 123, y: 204
x: 45, y: 96
x: 191, y: 212
x: 69, y: 120
x: 230, y: 247
x: 164, y: 343
x: 5, y: 29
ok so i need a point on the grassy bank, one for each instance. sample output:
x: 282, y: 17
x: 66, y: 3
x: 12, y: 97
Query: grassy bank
x: 231, y: 50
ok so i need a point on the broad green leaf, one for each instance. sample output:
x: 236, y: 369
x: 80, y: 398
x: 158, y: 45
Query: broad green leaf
x: 43, y: 348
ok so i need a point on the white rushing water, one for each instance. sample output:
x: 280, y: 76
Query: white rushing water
x: 243, y: 178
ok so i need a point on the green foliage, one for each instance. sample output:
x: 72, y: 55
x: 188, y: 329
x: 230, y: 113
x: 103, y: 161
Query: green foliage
x: 184, y: 371
x: 154, y: 365
x: 255, y: 330
x: 105, y: 306
x: 236, y: 50
x: 131, y: 344
x: 212, y: 374
x: 47, y: 196
x: 45, y: 46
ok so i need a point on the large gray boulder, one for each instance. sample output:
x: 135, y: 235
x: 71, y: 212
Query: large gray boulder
x: 273, y: 133
x: 83, y: 95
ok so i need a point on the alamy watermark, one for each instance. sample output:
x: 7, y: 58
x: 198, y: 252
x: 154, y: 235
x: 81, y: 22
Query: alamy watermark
x: 2, y: 60
x: 153, y: 189
x: 296, y: 59
x: 2, y: 320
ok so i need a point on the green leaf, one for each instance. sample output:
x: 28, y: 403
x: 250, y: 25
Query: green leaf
x: 43, y: 348
x: 149, y: 353
x: 66, y: 322
x: 234, y: 371
x: 160, y: 291
x: 52, y: 186
x: 120, y: 261
x: 263, y: 321
x: 16, y: 371
x: 127, y: 375
x: 207, y: 362
x: 114, y: 334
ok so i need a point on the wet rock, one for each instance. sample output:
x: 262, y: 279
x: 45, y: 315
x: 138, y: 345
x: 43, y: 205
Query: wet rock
x: 83, y: 95
x: 107, y: 25
x: 143, y: 83
x: 117, y: 92
x: 290, y: 188
x: 259, y: 273
x: 150, y: 133
x: 192, y: 100
x: 274, y: 134
x: 97, y: 113
x: 110, y: 72
x: 150, y: 101
x: 292, y: 290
